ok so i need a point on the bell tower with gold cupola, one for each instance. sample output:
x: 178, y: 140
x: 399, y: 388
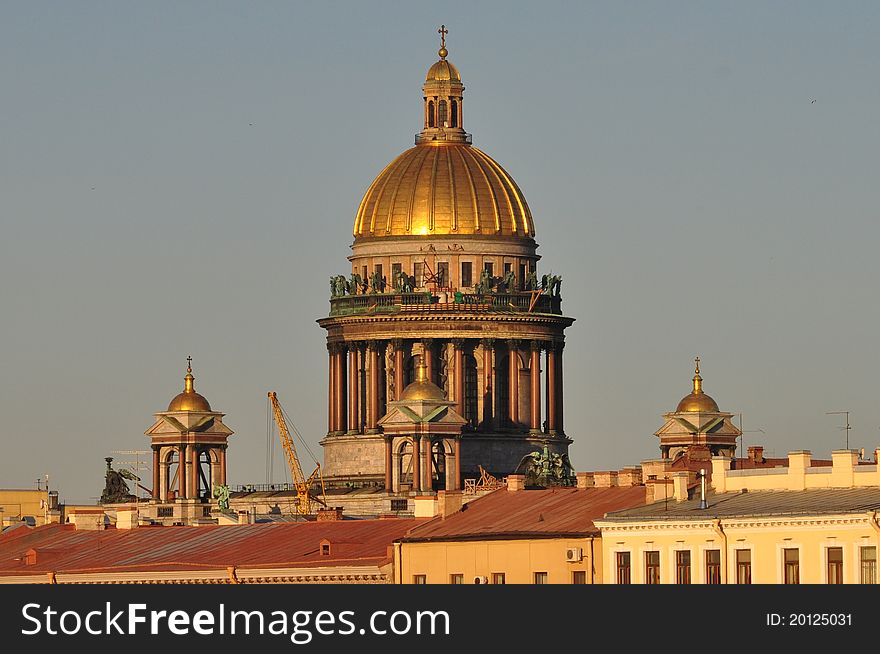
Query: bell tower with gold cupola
x: 443, y: 269
x: 189, y: 442
x: 697, y: 428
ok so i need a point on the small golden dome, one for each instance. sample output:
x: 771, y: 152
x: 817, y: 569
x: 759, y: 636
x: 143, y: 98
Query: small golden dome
x: 697, y: 401
x: 443, y: 71
x: 189, y: 400
x: 421, y: 388
x: 443, y: 188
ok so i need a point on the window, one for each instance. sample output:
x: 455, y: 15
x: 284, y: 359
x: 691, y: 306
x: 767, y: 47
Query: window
x: 579, y: 577
x: 399, y: 505
x: 624, y: 575
x: 540, y: 577
x: 791, y: 558
x: 652, y: 567
x: 467, y: 274
x: 453, y: 113
x: 868, y: 559
x: 443, y: 274
x: 683, y: 567
x: 325, y: 549
x: 713, y: 566
x: 364, y: 276
x: 420, y: 579
x: 442, y: 118
x: 835, y: 565
x: 456, y: 578
x: 396, y: 269
x: 430, y: 113
x: 489, y: 267
x: 419, y: 273
x: 379, y: 274
x: 744, y: 566
x: 165, y: 512
x: 520, y: 282
x: 498, y: 578
x: 508, y: 267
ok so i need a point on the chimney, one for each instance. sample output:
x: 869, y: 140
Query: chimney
x: 584, y: 479
x: 245, y: 517
x: 756, y: 453
x: 87, y: 519
x: 330, y: 514
x: 126, y: 517
x: 605, y: 479
x: 449, y: 502
x: 425, y: 506
x: 631, y: 476
x: 516, y: 483
x: 680, y: 486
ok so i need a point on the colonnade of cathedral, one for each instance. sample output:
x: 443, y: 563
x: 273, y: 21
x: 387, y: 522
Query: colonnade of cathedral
x: 497, y: 385
x: 187, y: 481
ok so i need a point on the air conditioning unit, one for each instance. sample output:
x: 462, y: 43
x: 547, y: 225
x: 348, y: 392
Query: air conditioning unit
x: 574, y: 554
x: 481, y: 580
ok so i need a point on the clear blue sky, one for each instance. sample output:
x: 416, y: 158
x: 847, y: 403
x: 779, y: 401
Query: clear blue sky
x: 181, y: 179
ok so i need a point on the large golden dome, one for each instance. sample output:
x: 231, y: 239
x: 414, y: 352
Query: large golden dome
x: 697, y: 401
x: 443, y: 188
x: 189, y: 400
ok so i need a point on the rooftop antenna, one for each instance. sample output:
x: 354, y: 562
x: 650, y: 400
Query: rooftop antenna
x: 742, y: 438
x: 847, y: 427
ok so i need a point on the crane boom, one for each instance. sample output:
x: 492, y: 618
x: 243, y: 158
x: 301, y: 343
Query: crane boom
x: 302, y: 484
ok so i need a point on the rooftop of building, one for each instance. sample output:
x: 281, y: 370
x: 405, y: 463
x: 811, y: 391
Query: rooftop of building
x: 753, y: 504
x: 65, y: 549
x: 545, y: 513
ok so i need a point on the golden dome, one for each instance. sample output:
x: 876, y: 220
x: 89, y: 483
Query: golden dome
x: 443, y: 188
x: 421, y: 388
x: 443, y: 71
x: 697, y: 401
x: 189, y: 400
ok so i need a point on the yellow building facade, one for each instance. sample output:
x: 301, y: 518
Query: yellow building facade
x: 798, y: 524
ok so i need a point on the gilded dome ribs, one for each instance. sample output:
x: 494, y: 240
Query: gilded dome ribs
x: 432, y: 190
x: 511, y: 190
x: 492, y: 193
x: 507, y: 192
x: 452, y: 197
x: 414, y: 190
x: 470, y: 178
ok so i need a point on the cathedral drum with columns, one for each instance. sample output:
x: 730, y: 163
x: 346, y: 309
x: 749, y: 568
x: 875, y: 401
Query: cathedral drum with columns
x: 445, y: 342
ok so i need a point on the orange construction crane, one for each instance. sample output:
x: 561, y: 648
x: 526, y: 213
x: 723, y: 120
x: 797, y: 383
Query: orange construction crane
x: 305, y: 496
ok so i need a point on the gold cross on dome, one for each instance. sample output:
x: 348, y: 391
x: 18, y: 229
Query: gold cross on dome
x: 443, y: 32
x: 189, y: 361
x: 697, y: 361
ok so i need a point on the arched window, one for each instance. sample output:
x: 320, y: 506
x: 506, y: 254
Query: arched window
x: 502, y: 385
x: 430, y: 113
x: 405, y: 463
x: 442, y: 117
x: 453, y: 119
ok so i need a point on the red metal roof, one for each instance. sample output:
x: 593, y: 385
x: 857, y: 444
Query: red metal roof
x: 63, y: 548
x: 531, y: 513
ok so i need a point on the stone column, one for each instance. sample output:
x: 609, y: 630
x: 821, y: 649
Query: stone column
x: 388, y: 464
x: 551, y: 389
x: 182, y: 488
x: 373, y: 406
x: 427, y: 484
x: 456, y: 483
x: 535, y: 379
x: 331, y: 380
x: 486, y: 385
x: 194, y: 472
x: 416, y: 465
x: 354, y: 411
x: 459, y: 375
x: 513, y: 409
x: 339, y: 393
x: 155, y: 473
x: 559, y: 394
x: 222, y: 455
x: 398, y: 368
x: 428, y: 347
